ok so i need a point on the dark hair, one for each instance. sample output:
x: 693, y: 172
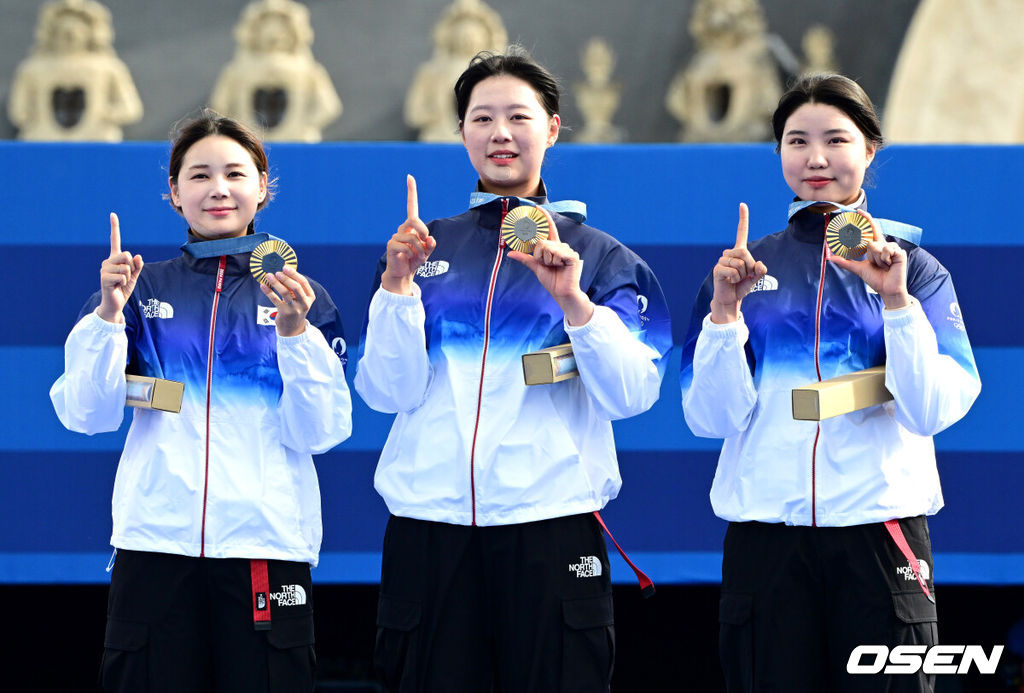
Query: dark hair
x: 833, y: 90
x: 517, y: 62
x: 209, y: 122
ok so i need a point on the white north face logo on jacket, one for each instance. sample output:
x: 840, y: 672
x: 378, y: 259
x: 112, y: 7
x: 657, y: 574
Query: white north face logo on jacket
x: 154, y: 308
x: 432, y: 268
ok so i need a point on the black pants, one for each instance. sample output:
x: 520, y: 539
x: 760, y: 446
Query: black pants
x: 176, y: 623
x: 514, y: 608
x: 796, y: 601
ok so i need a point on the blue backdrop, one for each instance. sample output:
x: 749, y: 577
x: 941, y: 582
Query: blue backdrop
x: 337, y: 204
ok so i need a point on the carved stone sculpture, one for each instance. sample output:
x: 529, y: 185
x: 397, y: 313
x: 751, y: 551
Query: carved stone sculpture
x: 731, y: 86
x: 73, y: 87
x: 273, y: 81
x: 819, y: 50
x: 598, y: 96
x: 466, y: 28
x: 958, y: 77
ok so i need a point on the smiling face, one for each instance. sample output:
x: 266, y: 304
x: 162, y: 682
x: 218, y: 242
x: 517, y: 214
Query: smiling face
x: 824, y: 154
x: 506, y: 132
x: 218, y: 188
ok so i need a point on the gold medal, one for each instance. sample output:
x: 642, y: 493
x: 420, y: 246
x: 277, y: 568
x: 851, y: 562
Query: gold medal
x: 270, y: 257
x: 848, y: 234
x: 523, y: 227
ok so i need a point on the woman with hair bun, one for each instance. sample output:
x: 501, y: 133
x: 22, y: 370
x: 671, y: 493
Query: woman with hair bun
x: 827, y: 546
x: 216, y: 508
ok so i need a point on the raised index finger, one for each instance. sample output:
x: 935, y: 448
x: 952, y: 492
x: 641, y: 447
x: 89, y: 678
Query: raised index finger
x: 115, y: 235
x: 412, y: 205
x: 741, y: 227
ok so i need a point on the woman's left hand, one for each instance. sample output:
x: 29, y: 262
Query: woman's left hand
x: 884, y: 268
x: 292, y: 295
x: 558, y: 268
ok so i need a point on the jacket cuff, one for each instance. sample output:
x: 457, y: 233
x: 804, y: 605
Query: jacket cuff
x: 597, y: 320
x: 904, y: 317
x: 389, y: 298
x: 725, y: 332
x: 297, y: 339
x: 98, y: 324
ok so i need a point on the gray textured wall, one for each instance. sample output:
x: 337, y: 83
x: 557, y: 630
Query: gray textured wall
x: 371, y: 48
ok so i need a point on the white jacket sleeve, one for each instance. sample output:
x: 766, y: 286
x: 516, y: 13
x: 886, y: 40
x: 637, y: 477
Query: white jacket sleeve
x: 619, y: 372
x: 721, y: 397
x: 393, y: 372
x: 930, y: 389
x: 315, y: 407
x: 89, y: 396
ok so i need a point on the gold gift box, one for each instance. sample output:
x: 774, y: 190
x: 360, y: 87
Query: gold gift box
x: 840, y: 395
x: 550, y: 365
x: 154, y: 393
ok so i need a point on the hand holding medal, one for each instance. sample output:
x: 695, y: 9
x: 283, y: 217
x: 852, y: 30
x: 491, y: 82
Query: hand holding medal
x: 558, y: 267
x: 273, y: 264
x: 884, y: 267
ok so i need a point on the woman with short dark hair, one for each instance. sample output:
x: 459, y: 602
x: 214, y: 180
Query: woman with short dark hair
x: 495, y: 574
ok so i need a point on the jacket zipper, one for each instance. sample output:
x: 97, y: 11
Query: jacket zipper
x: 209, y: 387
x: 483, y: 358
x: 817, y: 370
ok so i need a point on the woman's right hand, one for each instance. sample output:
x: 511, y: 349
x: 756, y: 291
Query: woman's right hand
x: 408, y: 249
x: 118, y: 275
x: 734, y: 275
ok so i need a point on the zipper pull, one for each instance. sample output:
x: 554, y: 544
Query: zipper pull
x: 504, y: 212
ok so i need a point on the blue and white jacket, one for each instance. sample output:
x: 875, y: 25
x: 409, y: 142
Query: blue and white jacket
x: 472, y: 444
x: 806, y: 321
x: 231, y: 476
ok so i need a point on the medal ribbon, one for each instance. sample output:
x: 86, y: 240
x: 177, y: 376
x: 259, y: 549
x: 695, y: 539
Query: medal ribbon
x: 227, y: 246
x: 887, y: 227
x: 574, y: 209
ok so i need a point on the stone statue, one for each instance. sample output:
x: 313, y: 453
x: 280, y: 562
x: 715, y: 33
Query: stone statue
x: 73, y: 87
x: 466, y: 28
x: 731, y: 86
x: 819, y: 50
x: 958, y: 77
x: 273, y: 82
x: 598, y: 96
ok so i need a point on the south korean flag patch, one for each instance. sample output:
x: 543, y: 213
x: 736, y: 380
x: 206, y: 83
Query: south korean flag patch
x: 265, y: 315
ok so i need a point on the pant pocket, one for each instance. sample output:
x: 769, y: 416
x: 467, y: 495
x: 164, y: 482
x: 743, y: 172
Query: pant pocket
x: 736, y: 640
x: 291, y: 659
x: 394, y: 654
x: 588, y: 644
x: 125, y: 665
x: 916, y: 618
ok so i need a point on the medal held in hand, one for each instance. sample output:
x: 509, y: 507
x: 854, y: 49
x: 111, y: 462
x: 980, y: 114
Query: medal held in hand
x: 848, y: 235
x: 523, y: 227
x: 270, y: 257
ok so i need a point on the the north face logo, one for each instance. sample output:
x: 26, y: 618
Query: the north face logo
x: 765, y: 283
x: 290, y: 595
x: 589, y: 566
x: 156, y: 309
x: 432, y: 269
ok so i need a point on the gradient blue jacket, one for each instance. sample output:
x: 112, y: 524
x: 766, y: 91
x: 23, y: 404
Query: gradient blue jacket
x: 231, y: 476
x: 471, y: 443
x: 806, y: 321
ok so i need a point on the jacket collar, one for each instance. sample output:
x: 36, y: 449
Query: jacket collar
x: 808, y: 225
x: 574, y: 209
x: 201, y: 255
